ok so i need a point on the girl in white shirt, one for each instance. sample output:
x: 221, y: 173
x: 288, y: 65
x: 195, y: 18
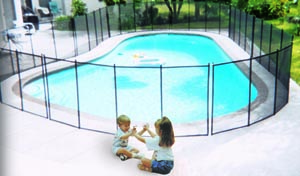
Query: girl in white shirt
x: 162, y: 160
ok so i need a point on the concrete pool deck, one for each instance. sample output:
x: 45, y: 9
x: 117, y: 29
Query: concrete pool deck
x: 35, y: 146
x: 31, y: 145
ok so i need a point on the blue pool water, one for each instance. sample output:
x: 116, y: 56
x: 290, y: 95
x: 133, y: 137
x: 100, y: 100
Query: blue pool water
x: 184, y: 89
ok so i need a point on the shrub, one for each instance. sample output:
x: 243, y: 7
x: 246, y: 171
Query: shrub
x: 63, y: 23
x: 269, y: 9
x: 78, y: 8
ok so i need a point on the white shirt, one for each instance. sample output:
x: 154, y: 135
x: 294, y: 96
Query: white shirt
x: 118, y: 142
x: 162, y: 153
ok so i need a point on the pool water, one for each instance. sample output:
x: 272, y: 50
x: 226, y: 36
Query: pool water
x: 184, y: 89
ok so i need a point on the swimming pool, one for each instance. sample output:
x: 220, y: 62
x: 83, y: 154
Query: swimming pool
x: 143, y: 88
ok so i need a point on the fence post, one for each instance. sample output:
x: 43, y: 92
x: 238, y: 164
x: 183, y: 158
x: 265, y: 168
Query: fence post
x: 252, y: 36
x: 101, y: 24
x: 208, y: 96
x: 281, y: 39
x: 250, y: 91
x: 261, y: 37
x: 229, y: 22
x: 212, y: 99
x: 77, y: 93
x: 234, y: 22
x: 219, y: 17
x: 276, y: 78
x: 10, y: 52
x: 20, y: 80
x: 245, y: 37
x: 53, y: 37
x: 205, y: 23
x: 107, y: 20
x: 32, y: 50
x: 95, y: 24
x: 120, y: 20
x: 88, y: 31
x: 116, y: 92
x: 134, y: 17
x: 151, y: 15
x: 1, y: 101
x: 161, y: 92
x: 270, y: 40
x: 74, y: 36
x: 45, y: 86
x: 240, y: 27
x: 189, y: 17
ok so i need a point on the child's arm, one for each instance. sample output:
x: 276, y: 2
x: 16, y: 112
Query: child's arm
x: 125, y: 136
x: 146, y: 127
x: 128, y: 134
x: 140, y: 138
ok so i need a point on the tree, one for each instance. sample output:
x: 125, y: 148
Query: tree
x: 113, y: 2
x: 173, y: 8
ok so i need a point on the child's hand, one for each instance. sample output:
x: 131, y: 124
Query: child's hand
x: 133, y: 131
x: 146, y: 126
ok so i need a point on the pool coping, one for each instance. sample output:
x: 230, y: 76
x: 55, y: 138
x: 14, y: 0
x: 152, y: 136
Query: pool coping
x: 229, y: 47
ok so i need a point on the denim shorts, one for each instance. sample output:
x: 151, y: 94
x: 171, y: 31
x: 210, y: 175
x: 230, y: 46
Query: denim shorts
x: 162, y: 167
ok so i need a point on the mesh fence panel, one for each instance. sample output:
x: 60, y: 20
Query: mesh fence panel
x: 114, y: 19
x: 105, y: 33
x: 127, y: 15
x: 97, y: 97
x: 82, y: 39
x: 263, y: 105
x: 57, y: 45
x: 138, y: 93
x: 62, y: 99
x: 160, y: 19
x: 283, y: 75
x: 275, y: 41
x: 92, y: 33
x: 197, y: 16
x: 185, y: 98
x: 229, y: 110
x: 258, y: 34
x: 35, y: 105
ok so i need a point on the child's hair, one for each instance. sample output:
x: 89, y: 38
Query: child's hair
x: 123, y: 119
x: 167, y: 138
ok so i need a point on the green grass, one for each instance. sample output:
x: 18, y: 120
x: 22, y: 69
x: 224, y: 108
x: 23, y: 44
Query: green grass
x: 290, y: 28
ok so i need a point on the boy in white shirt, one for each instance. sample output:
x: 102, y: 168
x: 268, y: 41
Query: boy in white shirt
x: 120, y: 145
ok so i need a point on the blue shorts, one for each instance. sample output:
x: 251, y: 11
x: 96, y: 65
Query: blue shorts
x: 162, y: 167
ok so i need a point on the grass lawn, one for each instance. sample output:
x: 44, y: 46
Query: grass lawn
x: 290, y: 28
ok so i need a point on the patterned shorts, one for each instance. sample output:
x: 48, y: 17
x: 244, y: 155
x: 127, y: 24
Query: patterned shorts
x: 162, y: 167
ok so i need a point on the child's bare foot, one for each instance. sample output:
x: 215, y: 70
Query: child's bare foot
x: 142, y: 167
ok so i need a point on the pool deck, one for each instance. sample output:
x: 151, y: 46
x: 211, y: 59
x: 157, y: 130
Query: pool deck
x: 34, y: 146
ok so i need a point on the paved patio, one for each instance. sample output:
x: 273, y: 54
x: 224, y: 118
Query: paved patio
x: 34, y: 146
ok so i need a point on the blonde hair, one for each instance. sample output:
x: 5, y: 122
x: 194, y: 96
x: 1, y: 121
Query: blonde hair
x: 123, y: 119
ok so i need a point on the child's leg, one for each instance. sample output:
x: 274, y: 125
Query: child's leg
x: 124, y: 152
x: 146, y: 165
x: 134, y: 150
